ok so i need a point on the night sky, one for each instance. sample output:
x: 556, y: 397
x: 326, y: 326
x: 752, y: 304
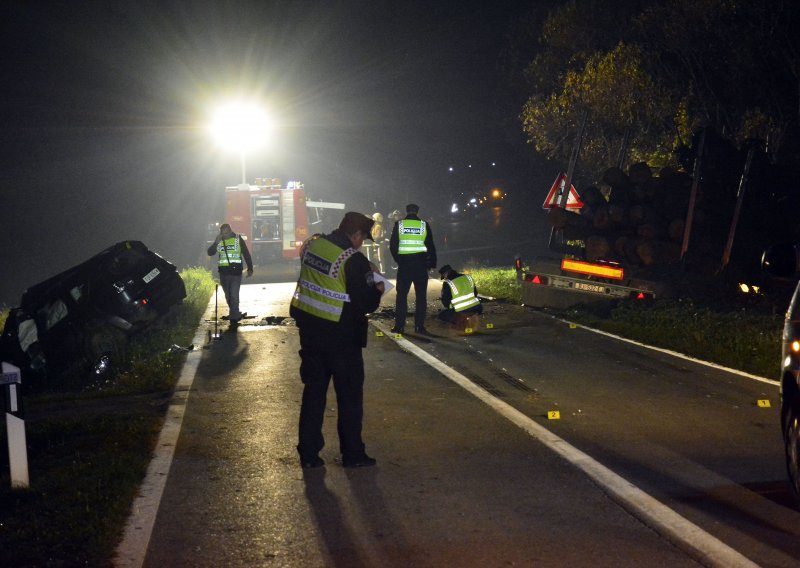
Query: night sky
x: 104, y: 104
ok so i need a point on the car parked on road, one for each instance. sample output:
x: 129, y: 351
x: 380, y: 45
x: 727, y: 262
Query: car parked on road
x: 83, y: 317
x: 783, y: 261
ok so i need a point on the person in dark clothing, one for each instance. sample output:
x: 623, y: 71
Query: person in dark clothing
x: 412, y: 248
x: 335, y: 292
x: 231, y: 249
x: 459, y: 296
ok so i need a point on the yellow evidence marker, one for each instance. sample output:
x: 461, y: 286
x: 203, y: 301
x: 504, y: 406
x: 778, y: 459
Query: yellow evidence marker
x: 468, y: 330
x: 573, y: 326
x: 489, y: 326
x: 554, y: 415
x: 378, y: 334
x: 763, y: 403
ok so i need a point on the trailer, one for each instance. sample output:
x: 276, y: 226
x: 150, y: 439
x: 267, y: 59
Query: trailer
x: 562, y: 283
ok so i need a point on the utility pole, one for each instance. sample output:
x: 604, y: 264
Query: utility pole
x: 693, y: 196
x: 726, y: 255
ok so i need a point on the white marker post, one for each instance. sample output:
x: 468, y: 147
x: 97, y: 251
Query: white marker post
x: 15, y: 427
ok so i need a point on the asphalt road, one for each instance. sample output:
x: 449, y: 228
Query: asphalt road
x: 486, y: 478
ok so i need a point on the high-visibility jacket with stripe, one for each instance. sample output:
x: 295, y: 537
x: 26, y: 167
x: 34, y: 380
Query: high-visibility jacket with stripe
x: 462, y: 289
x: 411, y: 236
x: 230, y: 251
x: 322, y: 288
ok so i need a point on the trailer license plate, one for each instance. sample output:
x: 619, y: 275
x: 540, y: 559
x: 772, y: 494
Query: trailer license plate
x: 590, y: 287
x: 150, y: 275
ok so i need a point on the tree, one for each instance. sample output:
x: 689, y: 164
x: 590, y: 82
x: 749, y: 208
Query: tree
x: 664, y: 69
x: 619, y: 96
x: 737, y: 62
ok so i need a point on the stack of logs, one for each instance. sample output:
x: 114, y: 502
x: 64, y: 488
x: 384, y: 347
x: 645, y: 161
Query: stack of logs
x: 639, y: 221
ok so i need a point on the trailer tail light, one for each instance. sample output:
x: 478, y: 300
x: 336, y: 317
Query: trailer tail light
x: 641, y: 296
x: 518, y: 268
x: 606, y: 270
x: 536, y: 279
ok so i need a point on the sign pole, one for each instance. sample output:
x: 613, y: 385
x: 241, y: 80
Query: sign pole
x: 576, y: 150
x: 573, y: 159
x: 15, y: 427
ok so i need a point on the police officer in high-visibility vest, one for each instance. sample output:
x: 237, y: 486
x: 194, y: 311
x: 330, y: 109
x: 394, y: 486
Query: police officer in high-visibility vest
x: 459, y: 296
x: 412, y: 248
x: 335, y: 292
x: 232, y: 250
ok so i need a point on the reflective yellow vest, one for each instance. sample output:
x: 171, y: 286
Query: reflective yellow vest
x: 411, y: 236
x: 230, y: 251
x: 322, y: 288
x: 463, y: 292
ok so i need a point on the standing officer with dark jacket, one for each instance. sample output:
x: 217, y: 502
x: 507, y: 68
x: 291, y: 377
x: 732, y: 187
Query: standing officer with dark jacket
x: 459, y: 296
x: 335, y: 291
x: 232, y: 250
x: 411, y: 245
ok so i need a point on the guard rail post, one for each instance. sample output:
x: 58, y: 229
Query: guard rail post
x: 15, y: 427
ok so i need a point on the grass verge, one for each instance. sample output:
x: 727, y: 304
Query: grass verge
x: 88, y: 451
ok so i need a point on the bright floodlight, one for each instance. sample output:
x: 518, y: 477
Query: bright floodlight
x: 240, y: 127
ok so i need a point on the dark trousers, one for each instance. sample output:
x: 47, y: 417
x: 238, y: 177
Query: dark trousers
x: 318, y: 363
x: 406, y: 276
x: 230, y: 284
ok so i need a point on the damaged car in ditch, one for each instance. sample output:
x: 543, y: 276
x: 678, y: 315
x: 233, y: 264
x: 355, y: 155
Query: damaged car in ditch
x: 81, y: 320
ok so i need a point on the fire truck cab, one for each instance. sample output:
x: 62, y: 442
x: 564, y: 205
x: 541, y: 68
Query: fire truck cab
x: 274, y: 220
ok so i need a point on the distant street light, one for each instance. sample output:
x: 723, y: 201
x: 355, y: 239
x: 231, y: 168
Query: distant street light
x: 240, y: 127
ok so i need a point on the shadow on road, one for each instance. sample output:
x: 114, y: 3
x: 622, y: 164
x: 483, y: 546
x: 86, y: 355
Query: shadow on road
x: 335, y: 530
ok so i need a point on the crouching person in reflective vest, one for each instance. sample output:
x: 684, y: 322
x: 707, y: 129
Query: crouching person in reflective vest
x: 335, y: 292
x: 459, y: 296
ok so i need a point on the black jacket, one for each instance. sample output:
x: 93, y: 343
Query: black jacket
x: 351, y: 329
x: 234, y: 268
x: 425, y: 259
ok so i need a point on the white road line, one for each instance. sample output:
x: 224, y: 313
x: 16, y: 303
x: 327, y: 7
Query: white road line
x: 685, y: 534
x: 132, y: 549
x: 673, y: 353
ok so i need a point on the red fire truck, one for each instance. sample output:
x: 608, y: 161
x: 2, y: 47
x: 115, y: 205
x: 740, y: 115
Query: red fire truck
x: 274, y: 220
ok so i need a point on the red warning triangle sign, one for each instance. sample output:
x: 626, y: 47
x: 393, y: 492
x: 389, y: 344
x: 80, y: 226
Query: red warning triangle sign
x: 573, y: 199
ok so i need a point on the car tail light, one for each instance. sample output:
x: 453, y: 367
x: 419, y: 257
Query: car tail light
x: 641, y: 296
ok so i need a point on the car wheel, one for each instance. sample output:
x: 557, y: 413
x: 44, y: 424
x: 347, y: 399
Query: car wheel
x: 791, y: 439
x: 101, y: 339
